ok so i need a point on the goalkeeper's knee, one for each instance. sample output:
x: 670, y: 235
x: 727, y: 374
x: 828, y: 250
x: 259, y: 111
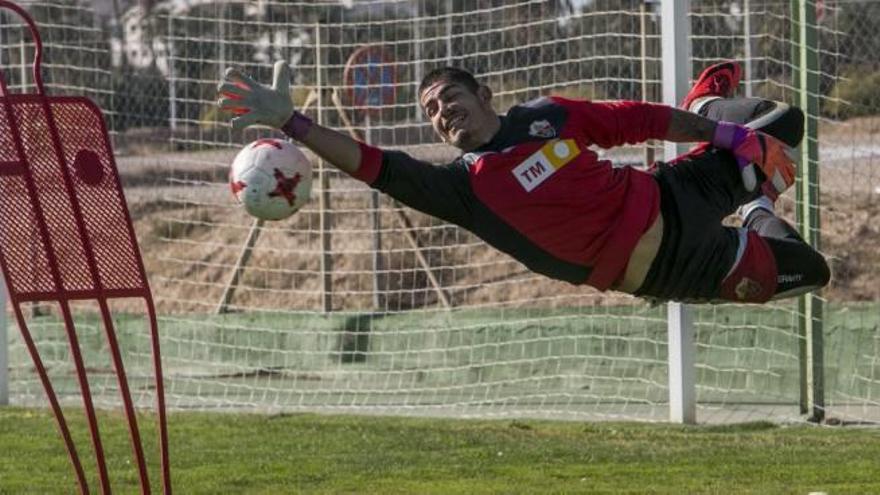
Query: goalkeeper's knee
x: 752, y: 279
x: 770, y: 268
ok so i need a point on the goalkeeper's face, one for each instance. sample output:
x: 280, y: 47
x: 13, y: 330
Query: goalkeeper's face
x: 461, y: 117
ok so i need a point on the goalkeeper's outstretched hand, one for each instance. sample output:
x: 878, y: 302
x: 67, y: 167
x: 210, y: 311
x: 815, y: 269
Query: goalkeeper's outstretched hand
x: 253, y: 103
x: 755, y: 148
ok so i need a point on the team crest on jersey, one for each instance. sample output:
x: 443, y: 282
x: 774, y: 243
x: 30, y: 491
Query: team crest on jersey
x: 748, y: 289
x: 540, y: 165
x: 542, y: 129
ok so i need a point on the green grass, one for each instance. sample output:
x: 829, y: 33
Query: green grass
x: 226, y: 453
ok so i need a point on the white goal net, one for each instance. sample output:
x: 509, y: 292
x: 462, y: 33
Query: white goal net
x: 359, y: 305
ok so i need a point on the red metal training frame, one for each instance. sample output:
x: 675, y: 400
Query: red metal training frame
x: 66, y: 235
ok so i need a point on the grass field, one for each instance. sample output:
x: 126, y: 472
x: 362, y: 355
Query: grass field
x: 225, y: 453
x: 743, y: 357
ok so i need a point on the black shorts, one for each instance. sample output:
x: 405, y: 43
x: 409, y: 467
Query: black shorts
x: 697, y: 251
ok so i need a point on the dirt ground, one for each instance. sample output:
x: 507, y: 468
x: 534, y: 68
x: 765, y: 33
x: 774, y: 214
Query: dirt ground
x: 191, y: 234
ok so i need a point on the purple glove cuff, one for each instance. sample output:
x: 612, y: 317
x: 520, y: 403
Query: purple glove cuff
x: 297, y: 126
x: 727, y: 135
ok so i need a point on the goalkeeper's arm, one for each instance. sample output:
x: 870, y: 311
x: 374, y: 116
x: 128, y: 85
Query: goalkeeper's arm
x: 255, y: 104
x: 615, y: 123
x: 750, y: 147
x: 435, y: 190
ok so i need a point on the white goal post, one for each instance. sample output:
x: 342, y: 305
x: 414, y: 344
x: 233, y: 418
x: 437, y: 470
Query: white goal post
x: 676, y: 82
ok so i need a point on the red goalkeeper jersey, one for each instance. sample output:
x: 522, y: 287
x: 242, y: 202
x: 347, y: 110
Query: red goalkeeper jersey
x: 536, y: 191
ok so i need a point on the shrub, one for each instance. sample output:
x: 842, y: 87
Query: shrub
x: 855, y: 95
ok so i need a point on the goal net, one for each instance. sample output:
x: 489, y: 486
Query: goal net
x: 359, y: 305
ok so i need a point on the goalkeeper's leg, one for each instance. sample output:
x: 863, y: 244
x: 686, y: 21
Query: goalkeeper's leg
x: 771, y: 267
x: 701, y: 260
x: 712, y: 96
x: 780, y: 120
x: 799, y: 267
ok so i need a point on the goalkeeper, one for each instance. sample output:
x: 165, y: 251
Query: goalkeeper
x: 528, y: 184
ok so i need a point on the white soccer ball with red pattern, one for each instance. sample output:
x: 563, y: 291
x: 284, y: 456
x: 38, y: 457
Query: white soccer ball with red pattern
x: 272, y: 178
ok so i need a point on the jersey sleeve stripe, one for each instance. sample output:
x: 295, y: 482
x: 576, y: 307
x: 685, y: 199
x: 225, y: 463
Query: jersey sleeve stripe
x: 371, y: 164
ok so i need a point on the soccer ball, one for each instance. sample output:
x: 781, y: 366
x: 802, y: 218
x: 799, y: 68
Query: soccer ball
x: 272, y: 178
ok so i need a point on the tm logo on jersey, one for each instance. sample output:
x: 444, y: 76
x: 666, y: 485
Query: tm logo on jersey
x: 543, y: 163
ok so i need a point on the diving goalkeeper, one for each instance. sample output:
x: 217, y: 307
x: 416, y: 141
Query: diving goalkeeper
x: 528, y: 184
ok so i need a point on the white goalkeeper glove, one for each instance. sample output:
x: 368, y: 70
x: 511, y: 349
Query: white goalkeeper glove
x: 253, y: 103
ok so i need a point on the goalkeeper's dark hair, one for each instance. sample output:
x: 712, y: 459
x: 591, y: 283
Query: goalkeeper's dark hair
x: 450, y: 74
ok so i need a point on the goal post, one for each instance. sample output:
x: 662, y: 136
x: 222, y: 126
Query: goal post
x: 681, y: 348
x: 810, y: 306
